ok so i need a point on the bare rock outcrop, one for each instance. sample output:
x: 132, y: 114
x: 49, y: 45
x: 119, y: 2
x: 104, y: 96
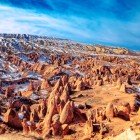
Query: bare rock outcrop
x: 67, y: 115
x: 11, y: 118
x: 110, y: 111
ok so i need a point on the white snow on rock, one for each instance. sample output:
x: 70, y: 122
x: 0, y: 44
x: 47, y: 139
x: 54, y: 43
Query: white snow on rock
x: 29, y: 123
x: 34, y: 97
x: 1, y: 118
x: 21, y: 115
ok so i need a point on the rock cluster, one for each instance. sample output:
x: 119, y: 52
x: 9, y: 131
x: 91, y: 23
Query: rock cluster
x: 52, y: 88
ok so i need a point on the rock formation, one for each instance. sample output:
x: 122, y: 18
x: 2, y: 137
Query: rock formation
x: 52, y: 88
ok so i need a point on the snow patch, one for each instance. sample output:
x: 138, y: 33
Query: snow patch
x: 21, y: 115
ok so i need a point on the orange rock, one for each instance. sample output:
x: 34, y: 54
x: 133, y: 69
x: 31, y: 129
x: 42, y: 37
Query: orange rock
x: 88, y: 128
x: 65, y: 94
x: 124, y: 111
x: 44, y: 84
x: 34, y: 116
x: 64, y: 80
x: 52, y: 110
x: 9, y: 91
x: 32, y: 127
x: 42, y: 110
x: 56, y: 125
x: 26, y: 93
x: 11, y: 117
x: 31, y: 86
x: 56, y: 87
x: 110, y: 111
x: 25, y: 126
x: 106, y: 79
x: 60, y: 90
x: 99, y: 115
x: 67, y: 115
x: 133, y: 103
x: 128, y: 81
x: 24, y: 108
x: 100, y: 82
x: 16, y: 104
x: 60, y: 106
x: 123, y: 88
x: 119, y: 83
x: 2, y: 129
x: 65, y: 129
x: 139, y: 112
x: 79, y: 85
x: 90, y: 115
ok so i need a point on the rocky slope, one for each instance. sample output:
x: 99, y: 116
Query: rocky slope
x: 53, y: 88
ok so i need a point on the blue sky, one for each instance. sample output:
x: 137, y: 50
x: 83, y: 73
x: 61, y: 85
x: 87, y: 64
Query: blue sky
x: 109, y: 22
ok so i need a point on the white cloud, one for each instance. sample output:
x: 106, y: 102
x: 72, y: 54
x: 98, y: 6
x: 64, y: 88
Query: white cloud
x: 15, y: 20
x: 95, y: 29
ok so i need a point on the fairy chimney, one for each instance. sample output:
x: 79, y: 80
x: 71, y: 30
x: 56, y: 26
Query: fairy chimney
x: 65, y: 94
x: 110, y: 111
x: 67, y: 114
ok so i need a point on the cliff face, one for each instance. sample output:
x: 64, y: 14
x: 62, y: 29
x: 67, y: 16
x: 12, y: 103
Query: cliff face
x: 60, y: 89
